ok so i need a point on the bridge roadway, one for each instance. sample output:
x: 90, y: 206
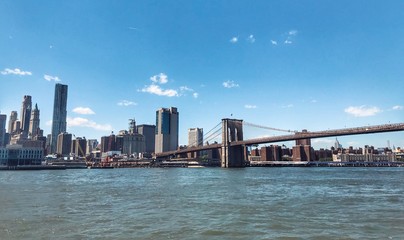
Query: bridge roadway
x: 299, y: 135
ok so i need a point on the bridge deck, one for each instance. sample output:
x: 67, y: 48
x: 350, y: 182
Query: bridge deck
x: 300, y: 135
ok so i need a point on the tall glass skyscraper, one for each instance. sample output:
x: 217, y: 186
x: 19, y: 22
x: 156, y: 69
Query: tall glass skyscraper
x: 26, y: 114
x: 167, y: 123
x: 59, y: 114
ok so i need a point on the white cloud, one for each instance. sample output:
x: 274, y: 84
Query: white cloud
x: 185, y: 88
x: 161, y: 78
x: 274, y: 42
x: 51, y: 78
x: 230, y: 84
x: 362, y: 111
x: 290, y: 36
x: 83, y: 122
x: 313, y: 101
x: 126, y: 103
x: 250, y: 106
x: 234, y: 39
x: 157, y: 90
x: 83, y: 110
x: 251, y: 38
x: 48, y: 123
x: 292, y: 32
x: 15, y: 71
x: 397, y: 107
x: 288, y: 106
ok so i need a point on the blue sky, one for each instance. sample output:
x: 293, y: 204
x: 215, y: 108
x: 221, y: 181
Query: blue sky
x: 286, y: 64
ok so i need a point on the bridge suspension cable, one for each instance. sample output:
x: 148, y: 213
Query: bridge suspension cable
x: 268, y: 128
x: 213, y: 135
x: 208, y: 136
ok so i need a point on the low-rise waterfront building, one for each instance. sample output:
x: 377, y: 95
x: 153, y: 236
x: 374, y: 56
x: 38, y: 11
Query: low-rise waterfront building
x: 364, y: 157
x: 15, y: 155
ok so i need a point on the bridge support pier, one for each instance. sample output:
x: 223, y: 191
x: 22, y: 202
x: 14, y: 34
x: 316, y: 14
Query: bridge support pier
x: 232, y: 156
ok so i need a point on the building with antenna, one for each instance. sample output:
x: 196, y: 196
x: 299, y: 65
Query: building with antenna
x: 34, y: 129
x: 130, y: 142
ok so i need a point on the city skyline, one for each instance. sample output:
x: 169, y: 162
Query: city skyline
x: 287, y: 65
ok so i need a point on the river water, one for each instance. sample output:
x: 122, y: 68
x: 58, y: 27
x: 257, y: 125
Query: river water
x: 205, y: 203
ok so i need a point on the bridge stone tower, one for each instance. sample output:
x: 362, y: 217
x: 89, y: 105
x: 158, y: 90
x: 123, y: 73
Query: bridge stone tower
x: 232, y: 156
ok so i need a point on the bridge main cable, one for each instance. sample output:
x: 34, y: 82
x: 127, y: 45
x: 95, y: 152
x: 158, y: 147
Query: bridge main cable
x: 268, y: 128
x: 207, y: 137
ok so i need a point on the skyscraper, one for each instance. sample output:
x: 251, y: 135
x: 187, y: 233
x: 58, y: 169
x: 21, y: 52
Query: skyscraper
x: 91, y: 145
x: 195, y: 137
x: 64, y: 144
x: 34, y: 129
x: 167, y: 123
x: 59, y: 114
x: 11, y: 122
x: 26, y: 114
x: 149, y: 133
x: 79, y: 147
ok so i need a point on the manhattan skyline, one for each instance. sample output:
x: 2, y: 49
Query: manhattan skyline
x: 284, y: 64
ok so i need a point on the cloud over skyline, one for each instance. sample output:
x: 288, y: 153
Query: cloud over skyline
x: 161, y: 78
x: 248, y: 106
x: 230, y: 84
x: 51, y: 78
x: 126, y: 103
x: 397, y: 107
x: 155, y: 88
x: 290, y: 36
x: 288, y: 106
x: 15, y: 71
x: 84, y: 122
x: 362, y: 111
x: 251, y: 39
x: 83, y: 110
x: 234, y: 39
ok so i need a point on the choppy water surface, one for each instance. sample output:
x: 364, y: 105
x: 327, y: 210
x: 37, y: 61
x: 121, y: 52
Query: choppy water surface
x: 207, y: 203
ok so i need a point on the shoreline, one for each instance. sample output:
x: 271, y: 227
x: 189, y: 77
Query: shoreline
x: 184, y: 165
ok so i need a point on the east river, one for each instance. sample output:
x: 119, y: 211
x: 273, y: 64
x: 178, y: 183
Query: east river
x: 204, y: 203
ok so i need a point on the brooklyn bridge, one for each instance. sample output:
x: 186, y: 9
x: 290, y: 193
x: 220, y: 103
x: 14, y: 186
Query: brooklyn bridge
x: 233, y: 146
